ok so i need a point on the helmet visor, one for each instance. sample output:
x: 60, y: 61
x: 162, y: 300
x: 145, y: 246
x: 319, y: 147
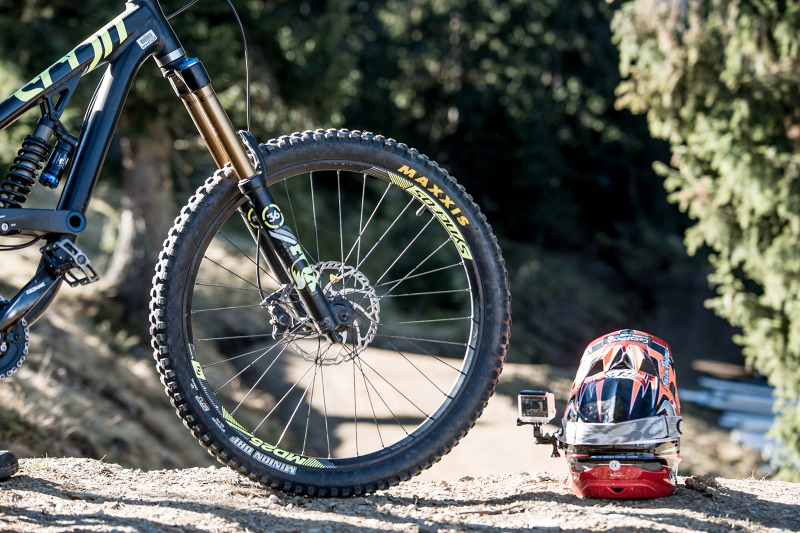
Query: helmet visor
x: 616, y: 400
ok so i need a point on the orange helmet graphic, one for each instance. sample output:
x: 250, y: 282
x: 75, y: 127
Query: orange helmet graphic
x: 622, y: 425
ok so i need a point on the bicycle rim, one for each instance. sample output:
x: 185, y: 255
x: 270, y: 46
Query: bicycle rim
x: 404, y: 361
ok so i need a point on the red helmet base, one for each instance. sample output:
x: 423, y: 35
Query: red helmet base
x: 628, y: 482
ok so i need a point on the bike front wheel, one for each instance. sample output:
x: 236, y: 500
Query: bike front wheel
x: 387, y: 233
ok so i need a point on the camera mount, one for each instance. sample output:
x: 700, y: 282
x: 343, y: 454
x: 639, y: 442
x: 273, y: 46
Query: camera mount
x: 537, y: 408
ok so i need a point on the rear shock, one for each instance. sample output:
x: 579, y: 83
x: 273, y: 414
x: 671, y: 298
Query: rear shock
x: 25, y: 169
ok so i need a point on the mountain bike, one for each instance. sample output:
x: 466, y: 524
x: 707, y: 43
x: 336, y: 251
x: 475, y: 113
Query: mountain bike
x: 330, y: 310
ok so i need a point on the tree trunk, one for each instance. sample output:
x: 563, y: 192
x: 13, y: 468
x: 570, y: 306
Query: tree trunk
x: 147, y: 213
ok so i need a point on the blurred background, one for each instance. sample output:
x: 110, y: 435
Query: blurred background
x: 637, y: 160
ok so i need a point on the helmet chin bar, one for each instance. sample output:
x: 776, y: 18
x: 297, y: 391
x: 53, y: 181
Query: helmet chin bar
x: 616, y: 480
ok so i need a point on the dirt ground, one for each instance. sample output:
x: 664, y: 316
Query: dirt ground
x: 60, y: 495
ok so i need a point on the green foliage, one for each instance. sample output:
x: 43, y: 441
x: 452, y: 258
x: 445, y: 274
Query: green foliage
x: 719, y: 80
x: 516, y: 99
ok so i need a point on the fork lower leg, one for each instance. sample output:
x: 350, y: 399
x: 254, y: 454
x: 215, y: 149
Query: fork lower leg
x: 293, y: 262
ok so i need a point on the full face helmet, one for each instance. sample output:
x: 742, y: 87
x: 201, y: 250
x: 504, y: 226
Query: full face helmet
x: 622, y: 425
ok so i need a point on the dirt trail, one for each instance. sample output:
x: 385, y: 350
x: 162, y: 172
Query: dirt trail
x: 60, y: 495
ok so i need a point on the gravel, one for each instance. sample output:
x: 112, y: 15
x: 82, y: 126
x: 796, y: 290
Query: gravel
x: 59, y: 495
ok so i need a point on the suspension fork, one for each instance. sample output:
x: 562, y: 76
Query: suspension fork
x: 278, y: 245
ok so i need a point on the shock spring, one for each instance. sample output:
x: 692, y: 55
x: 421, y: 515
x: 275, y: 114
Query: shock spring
x: 25, y: 169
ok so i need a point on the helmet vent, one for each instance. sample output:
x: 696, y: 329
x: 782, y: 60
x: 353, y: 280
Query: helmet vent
x: 597, y: 367
x: 649, y: 367
x: 622, y: 360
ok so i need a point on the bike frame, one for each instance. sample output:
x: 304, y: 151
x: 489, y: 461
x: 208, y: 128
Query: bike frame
x: 124, y: 44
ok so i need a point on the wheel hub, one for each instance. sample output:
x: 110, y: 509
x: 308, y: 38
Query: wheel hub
x: 344, y: 312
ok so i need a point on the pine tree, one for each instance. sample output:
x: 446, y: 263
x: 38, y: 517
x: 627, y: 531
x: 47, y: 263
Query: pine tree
x: 719, y: 80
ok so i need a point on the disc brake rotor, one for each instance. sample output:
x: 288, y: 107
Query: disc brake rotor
x: 342, y: 282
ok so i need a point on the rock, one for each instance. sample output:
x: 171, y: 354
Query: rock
x: 427, y: 526
x: 706, y: 485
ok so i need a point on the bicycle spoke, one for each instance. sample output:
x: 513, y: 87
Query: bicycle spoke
x: 371, y: 406
x: 259, y: 379
x: 224, y: 308
x: 423, y: 374
x: 428, y: 293
x: 204, y: 367
x: 361, y: 359
x: 291, y: 418
x: 242, y: 371
x: 424, y: 321
x: 257, y: 335
x: 406, y: 249
x: 284, y: 397
x: 308, y: 414
x: 423, y: 340
x: 291, y: 208
x: 325, y: 407
x: 268, y: 273
x: 380, y: 240
x: 234, y: 273
x: 361, y: 216
x: 339, y: 202
x: 355, y: 405
x: 361, y: 233
x: 407, y: 277
x: 314, y: 210
x: 197, y: 283
x: 436, y: 357
x: 293, y: 332
x: 399, y: 422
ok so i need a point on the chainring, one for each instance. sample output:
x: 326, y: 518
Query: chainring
x: 14, y: 347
